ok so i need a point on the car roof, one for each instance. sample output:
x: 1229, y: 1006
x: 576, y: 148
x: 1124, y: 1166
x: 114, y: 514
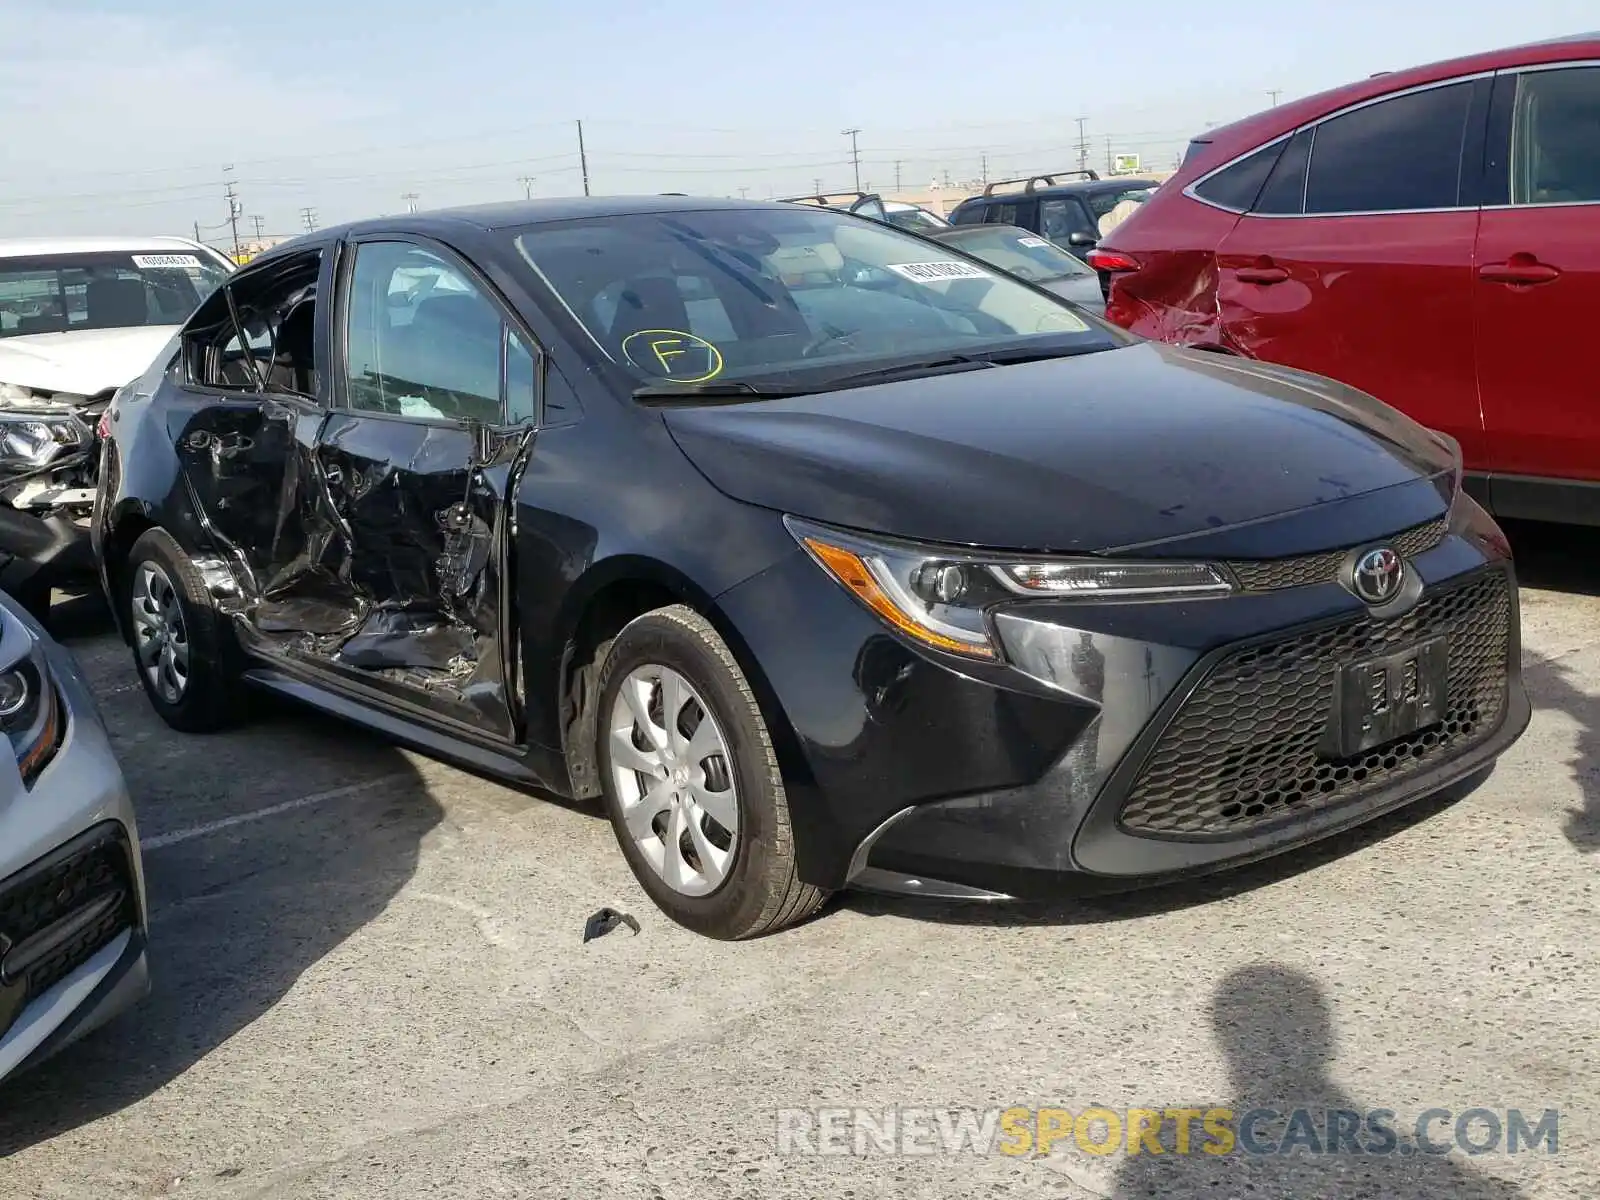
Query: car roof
x: 40, y: 246
x: 1226, y: 142
x: 1075, y: 187
x: 512, y: 214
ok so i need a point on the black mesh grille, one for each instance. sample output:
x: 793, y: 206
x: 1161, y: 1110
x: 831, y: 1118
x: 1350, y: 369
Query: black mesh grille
x: 93, y: 875
x: 1243, y: 750
x: 1268, y: 575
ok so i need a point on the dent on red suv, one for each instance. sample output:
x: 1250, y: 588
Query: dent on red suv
x: 1412, y: 235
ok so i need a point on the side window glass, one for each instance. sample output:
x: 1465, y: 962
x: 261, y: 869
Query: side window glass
x: 422, y: 339
x: 521, y: 383
x: 1393, y: 156
x: 967, y: 214
x: 1555, y: 137
x: 1285, y: 191
x: 274, y: 339
x: 1001, y: 214
x: 1237, y: 187
x: 1055, y: 222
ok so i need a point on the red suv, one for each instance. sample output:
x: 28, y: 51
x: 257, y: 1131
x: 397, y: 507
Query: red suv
x: 1429, y: 236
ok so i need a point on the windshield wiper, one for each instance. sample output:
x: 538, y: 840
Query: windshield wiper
x: 718, y: 389
x: 975, y: 360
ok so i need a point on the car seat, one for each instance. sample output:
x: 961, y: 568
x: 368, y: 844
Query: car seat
x: 115, y: 303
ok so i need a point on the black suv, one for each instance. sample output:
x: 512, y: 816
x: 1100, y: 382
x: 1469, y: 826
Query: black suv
x: 1067, y: 213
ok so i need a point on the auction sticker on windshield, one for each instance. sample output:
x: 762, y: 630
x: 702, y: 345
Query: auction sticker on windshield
x: 184, y: 262
x: 1032, y: 241
x: 938, y: 272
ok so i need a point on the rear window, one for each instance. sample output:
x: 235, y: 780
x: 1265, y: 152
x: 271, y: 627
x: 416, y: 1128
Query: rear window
x: 1237, y: 187
x: 102, y: 290
x: 1286, y: 187
x: 1392, y: 156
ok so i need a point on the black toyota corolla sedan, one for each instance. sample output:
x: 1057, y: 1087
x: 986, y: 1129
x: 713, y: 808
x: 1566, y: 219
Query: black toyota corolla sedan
x: 822, y: 554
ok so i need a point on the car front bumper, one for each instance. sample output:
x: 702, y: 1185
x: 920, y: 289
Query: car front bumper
x: 69, y: 844
x: 1122, y: 744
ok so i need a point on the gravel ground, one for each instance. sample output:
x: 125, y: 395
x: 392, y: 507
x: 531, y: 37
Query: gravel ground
x: 370, y: 983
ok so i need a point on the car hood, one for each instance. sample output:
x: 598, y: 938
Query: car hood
x: 85, y: 361
x: 1149, y: 444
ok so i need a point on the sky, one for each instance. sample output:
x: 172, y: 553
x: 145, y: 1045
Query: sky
x: 136, y: 118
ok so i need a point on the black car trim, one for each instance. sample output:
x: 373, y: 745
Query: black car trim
x: 1104, y: 814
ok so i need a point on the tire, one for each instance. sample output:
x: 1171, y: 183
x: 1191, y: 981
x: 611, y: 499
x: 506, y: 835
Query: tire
x: 726, y: 883
x: 207, y: 698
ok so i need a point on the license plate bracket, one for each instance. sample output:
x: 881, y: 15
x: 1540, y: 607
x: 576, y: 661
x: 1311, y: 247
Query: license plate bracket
x: 1379, y: 700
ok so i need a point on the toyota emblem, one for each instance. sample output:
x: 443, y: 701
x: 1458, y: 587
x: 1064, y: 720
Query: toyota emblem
x: 1378, y: 575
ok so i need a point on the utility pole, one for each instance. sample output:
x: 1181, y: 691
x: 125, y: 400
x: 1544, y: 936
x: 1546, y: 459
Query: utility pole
x: 1275, y: 93
x: 583, y: 159
x: 744, y: 193
x: 1083, y: 145
x: 258, y: 223
x: 235, y: 211
x: 1111, y: 165
x: 197, y: 231
x: 309, y: 217
x: 855, y: 153
x: 527, y: 185
x: 984, y: 173
x: 897, y: 174
x: 411, y: 201
x: 816, y: 187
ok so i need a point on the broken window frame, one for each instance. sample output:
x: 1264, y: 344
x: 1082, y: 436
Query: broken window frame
x: 204, y: 336
x: 338, y: 384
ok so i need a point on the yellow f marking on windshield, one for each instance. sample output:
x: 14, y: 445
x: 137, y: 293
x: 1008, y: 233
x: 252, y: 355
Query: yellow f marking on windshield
x: 657, y: 351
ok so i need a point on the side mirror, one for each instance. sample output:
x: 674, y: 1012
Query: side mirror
x: 1082, y: 239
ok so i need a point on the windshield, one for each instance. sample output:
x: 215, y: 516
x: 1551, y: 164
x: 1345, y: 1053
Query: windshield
x: 60, y: 293
x: 1024, y: 254
x: 918, y: 220
x: 786, y: 295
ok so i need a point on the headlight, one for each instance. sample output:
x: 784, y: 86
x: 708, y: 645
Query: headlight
x: 35, y: 441
x: 30, y: 715
x: 942, y: 597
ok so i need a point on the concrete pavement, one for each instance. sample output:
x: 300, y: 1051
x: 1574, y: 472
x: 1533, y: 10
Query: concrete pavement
x: 370, y: 983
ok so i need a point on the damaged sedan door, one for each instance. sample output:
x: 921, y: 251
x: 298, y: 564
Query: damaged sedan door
x: 246, y: 392
x: 432, y: 418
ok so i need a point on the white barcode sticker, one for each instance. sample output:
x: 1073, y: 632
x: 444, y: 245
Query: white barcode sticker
x: 937, y: 272
x: 1032, y: 241
x: 182, y: 262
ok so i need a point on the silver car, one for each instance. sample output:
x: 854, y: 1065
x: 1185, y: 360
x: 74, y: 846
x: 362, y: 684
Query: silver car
x: 72, y: 903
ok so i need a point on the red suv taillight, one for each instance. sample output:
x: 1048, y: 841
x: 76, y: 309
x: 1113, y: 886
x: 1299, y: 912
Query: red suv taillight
x: 1113, y: 261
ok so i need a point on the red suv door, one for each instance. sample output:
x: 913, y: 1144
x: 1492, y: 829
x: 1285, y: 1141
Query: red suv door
x: 1537, y: 290
x: 1355, y: 259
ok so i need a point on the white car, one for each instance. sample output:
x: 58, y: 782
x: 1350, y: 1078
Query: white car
x: 79, y: 317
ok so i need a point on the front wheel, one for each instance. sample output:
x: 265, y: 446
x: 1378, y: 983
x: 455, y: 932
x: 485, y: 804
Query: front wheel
x: 181, y: 645
x: 692, y: 783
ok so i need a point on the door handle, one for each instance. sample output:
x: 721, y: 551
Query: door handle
x: 1519, y: 269
x: 1262, y: 275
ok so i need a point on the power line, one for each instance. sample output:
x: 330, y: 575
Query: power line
x: 855, y: 153
x: 235, y: 210
x: 583, y: 159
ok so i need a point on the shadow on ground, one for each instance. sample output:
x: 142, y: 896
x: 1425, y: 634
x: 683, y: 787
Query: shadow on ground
x: 237, y: 914
x: 1276, y: 1030
x: 1564, y: 558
